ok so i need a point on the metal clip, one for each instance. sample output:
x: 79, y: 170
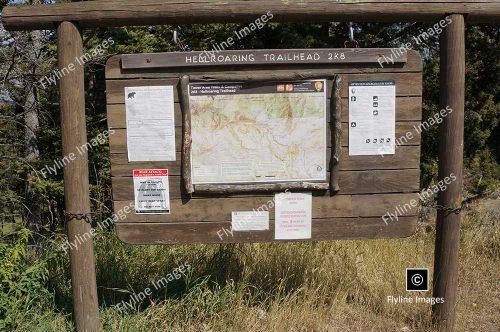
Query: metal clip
x: 353, y: 42
x: 174, y: 38
x: 177, y: 41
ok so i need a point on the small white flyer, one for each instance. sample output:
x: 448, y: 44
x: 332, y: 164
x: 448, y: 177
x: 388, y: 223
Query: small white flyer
x: 150, y: 123
x: 250, y: 220
x: 151, y: 191
x: 372, y: 119
x: 293, y: 216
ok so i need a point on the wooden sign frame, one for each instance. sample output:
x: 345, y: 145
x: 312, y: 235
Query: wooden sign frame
x: 364, y: 188
x: 331, y: 180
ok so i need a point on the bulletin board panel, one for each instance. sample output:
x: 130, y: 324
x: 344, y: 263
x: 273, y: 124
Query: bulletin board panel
x: 369, y: 186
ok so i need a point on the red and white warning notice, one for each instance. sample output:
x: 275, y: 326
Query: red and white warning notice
x: 151, y: 191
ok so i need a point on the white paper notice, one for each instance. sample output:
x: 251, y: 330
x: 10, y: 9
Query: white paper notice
x: 150, y: 123
x: 250, y: 220
x: 293, y: 216
x: 151, y: 191
x: 372, y: 119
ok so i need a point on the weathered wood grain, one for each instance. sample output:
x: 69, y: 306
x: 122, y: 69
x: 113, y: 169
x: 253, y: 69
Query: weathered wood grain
x: 268, y: 57
x: 451, y: 143
x: 350, y: 182
x: 405, y: 157
x: 234, y: 189
x: 186, y: 135
x: 76, y: 178
x: 407, y: 84
x: 91, y: 14
x: 335, y: 128
x: 323, y: 207
x: 219, y: 232
x: 413, y: 64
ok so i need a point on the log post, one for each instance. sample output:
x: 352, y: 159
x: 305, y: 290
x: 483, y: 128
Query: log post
x: 76, y: 176
x: 451, y: 138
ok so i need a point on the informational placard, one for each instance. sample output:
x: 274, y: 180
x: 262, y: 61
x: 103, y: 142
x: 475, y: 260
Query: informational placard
x: 372, y: 118
x: 150, y: 123
x: 258, y: 132
x: 293, y: 216
x: 151, y: 191
x: 250, y: 220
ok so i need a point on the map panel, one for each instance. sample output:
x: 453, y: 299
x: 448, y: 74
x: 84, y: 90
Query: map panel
x: 258, y: 132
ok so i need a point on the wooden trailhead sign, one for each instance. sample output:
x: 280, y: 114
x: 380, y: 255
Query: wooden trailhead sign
x: 172, y: 184
x: 264, y: 145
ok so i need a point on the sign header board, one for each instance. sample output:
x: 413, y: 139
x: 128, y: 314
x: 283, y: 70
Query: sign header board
x: 262, y: 57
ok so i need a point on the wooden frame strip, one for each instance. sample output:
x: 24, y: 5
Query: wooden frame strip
x: 241, y: 188
x: 263, y: 187
x: 186, y: 134
x: 336, y: 109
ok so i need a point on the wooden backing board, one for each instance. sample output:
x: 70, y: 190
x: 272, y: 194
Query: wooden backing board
x: 370, y: 186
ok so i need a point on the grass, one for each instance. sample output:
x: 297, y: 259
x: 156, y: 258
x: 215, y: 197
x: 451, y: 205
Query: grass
x: 323, y: 286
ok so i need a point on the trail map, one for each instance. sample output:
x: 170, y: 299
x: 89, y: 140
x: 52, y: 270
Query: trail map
x: 258, y: 132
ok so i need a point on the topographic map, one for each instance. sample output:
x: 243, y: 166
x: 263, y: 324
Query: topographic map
x: 267, y: 132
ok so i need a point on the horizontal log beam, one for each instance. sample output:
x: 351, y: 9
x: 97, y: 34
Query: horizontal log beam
x: 101, y: 13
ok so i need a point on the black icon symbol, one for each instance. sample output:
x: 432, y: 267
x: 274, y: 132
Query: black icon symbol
x: 131, y: 95
x: 374, y: 140
x: 375, y: 98
x: 375, y: 112
x: 353, y: 124
x: 417, y: 279
x: 367, y: 140
x: 388, y: 139
x: 353, y: 98
x: 375, y: 104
